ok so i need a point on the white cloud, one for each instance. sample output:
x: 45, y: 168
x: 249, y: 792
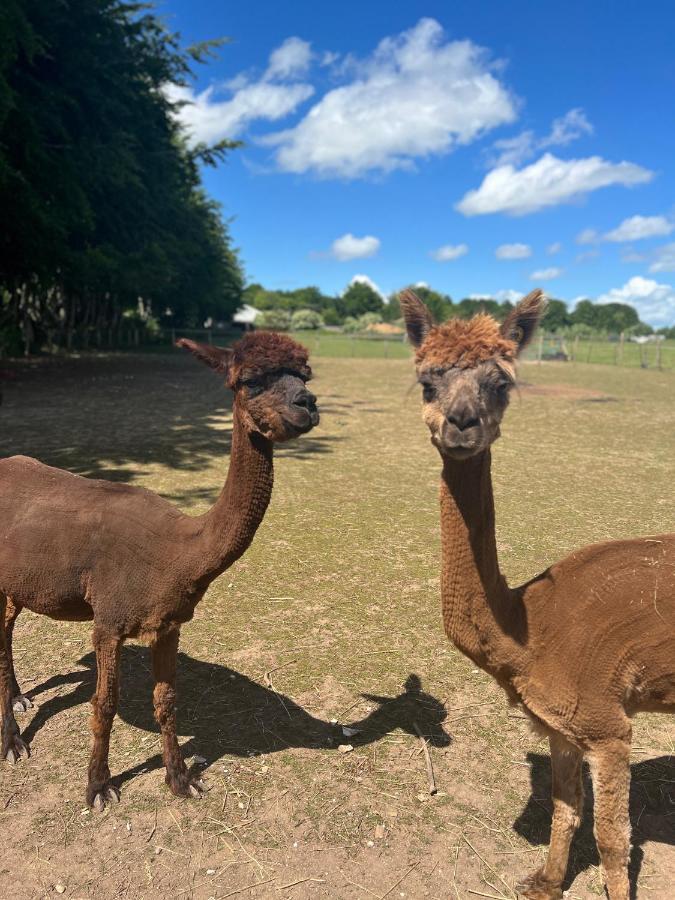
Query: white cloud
x: 554, y: 248
x: 225, y: 110
x: 448, y: 252
x: 510, y: 295
x: 291, y: 59
x: 588, y: 236
x: 546, y: 274
x: 628, y: 255
x: 364, y: 279
x: 513, y: 251
x: 664, y: 260
x: 417, y: 95
x: 350, y: 247
x: 654, y: 302
x: 547, y: 182
x: 639, y: 227
x: 515, y: 150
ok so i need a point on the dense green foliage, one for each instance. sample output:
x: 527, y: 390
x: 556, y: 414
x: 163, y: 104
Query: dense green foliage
x: 103, y: 211
x: 354, y: 308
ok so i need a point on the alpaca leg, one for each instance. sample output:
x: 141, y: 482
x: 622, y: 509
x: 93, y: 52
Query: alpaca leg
x: 567, y: 792
x: 164, y: 655
x: 610, y: 769
x: 100, y: 789
x: 20, y: 703
x: 12, y: 745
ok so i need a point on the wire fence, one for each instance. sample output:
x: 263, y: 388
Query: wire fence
x: 616, y: 350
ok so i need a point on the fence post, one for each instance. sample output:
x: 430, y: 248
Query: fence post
x: 658, y: 354
x: 622, y: 338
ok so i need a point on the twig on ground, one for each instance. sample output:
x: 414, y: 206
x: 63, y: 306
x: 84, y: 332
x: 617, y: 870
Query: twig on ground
x: 249, y: 887
x: 430, y: 768
x: 154, y: 829
x: 404, y: 876
x: 283, y: 887
x: 483, y: 860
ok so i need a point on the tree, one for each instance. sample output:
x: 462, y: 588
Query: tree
x: 557, y: 316
x: 101, y: 195
x: 360, y: 298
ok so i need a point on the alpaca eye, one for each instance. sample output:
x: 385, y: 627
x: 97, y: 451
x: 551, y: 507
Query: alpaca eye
x: 428, y: 392
x: 254, y: 387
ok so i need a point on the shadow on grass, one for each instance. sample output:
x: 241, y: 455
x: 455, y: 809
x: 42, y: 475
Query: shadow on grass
x: 652, y: 813
x: 225, y: 712
x: 110, y: 416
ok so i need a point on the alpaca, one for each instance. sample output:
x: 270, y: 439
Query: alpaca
x: 78, y: 549
x: 581, y: 647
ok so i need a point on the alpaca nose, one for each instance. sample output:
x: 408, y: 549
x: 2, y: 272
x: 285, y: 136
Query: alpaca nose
x: 305, y: 399
x: 463, y: 419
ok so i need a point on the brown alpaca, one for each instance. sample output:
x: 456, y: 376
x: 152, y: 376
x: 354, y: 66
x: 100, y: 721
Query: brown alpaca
x: 581, y: 647
x: 77, y: 549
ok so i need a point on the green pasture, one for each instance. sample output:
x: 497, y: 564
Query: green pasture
x: 331, y: 618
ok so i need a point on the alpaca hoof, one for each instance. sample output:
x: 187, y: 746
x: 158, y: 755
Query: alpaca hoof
x: 21, y: 704
x: 108, y: 796
x: 537, y: 886
x: 185, y: 786
x: 16, y: 749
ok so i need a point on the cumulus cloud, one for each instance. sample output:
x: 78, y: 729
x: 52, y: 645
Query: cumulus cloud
x: 546, y: 274
x: 350, y: 247
x: 639, y: 227
x: 291, y: 59
x: 513, y: 251
x: 515, y: 150
x: 547, y: 182
x: 448, y: 252
x: 417, y: 95
x: 664, y: 259
x: 225, y: 110
x: 654, y: 302
x: 554, y: 248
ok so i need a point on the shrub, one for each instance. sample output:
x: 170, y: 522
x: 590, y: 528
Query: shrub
x: 274, y: 320
x: 306, y: 320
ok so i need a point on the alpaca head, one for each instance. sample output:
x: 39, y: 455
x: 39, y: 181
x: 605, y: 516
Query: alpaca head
x: 467, y: 368
x: 268, y: 373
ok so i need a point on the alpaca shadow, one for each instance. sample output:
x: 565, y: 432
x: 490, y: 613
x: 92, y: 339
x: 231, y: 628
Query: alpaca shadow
x: 225, y: 712
x: 652, y: 813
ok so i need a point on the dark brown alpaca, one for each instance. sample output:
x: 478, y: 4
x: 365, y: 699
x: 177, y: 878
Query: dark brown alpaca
x: 77, y: 549
x: 581, y: 647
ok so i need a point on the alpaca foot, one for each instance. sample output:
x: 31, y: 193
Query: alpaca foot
x: 13, y: 748
x: 107, y: 795
x: 536, y: 886
x: 185, y: 785
x: 21, y: 704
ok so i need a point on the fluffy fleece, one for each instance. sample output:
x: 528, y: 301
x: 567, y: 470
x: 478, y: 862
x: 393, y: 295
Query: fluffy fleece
x: 266, y: 351
x: 465, y: 343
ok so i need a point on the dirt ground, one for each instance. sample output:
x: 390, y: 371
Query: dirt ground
x: 331, y: 620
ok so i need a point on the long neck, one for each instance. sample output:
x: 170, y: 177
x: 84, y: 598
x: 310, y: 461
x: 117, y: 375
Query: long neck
x: 230, y: 525
x: 481, y: 615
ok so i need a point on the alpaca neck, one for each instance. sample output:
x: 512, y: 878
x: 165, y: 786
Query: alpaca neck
x: 481, y: 615
x: 230, y: 525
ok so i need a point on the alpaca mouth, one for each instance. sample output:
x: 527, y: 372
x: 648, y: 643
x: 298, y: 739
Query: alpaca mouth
x: 304, y: 422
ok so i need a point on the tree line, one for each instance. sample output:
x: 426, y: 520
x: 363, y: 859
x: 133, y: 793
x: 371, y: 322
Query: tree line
x: 360, y: 304
x: 104, y: 217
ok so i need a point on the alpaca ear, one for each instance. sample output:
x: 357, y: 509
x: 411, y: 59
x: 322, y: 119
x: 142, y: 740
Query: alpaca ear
x: 521, y: 322
x: 418, y: 319
x: 218, y: 358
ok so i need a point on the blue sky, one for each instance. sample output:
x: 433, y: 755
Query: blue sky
x: 480, y: 147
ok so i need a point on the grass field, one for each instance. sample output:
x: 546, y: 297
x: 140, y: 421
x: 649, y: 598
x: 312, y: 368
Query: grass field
x: 332, y: 618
